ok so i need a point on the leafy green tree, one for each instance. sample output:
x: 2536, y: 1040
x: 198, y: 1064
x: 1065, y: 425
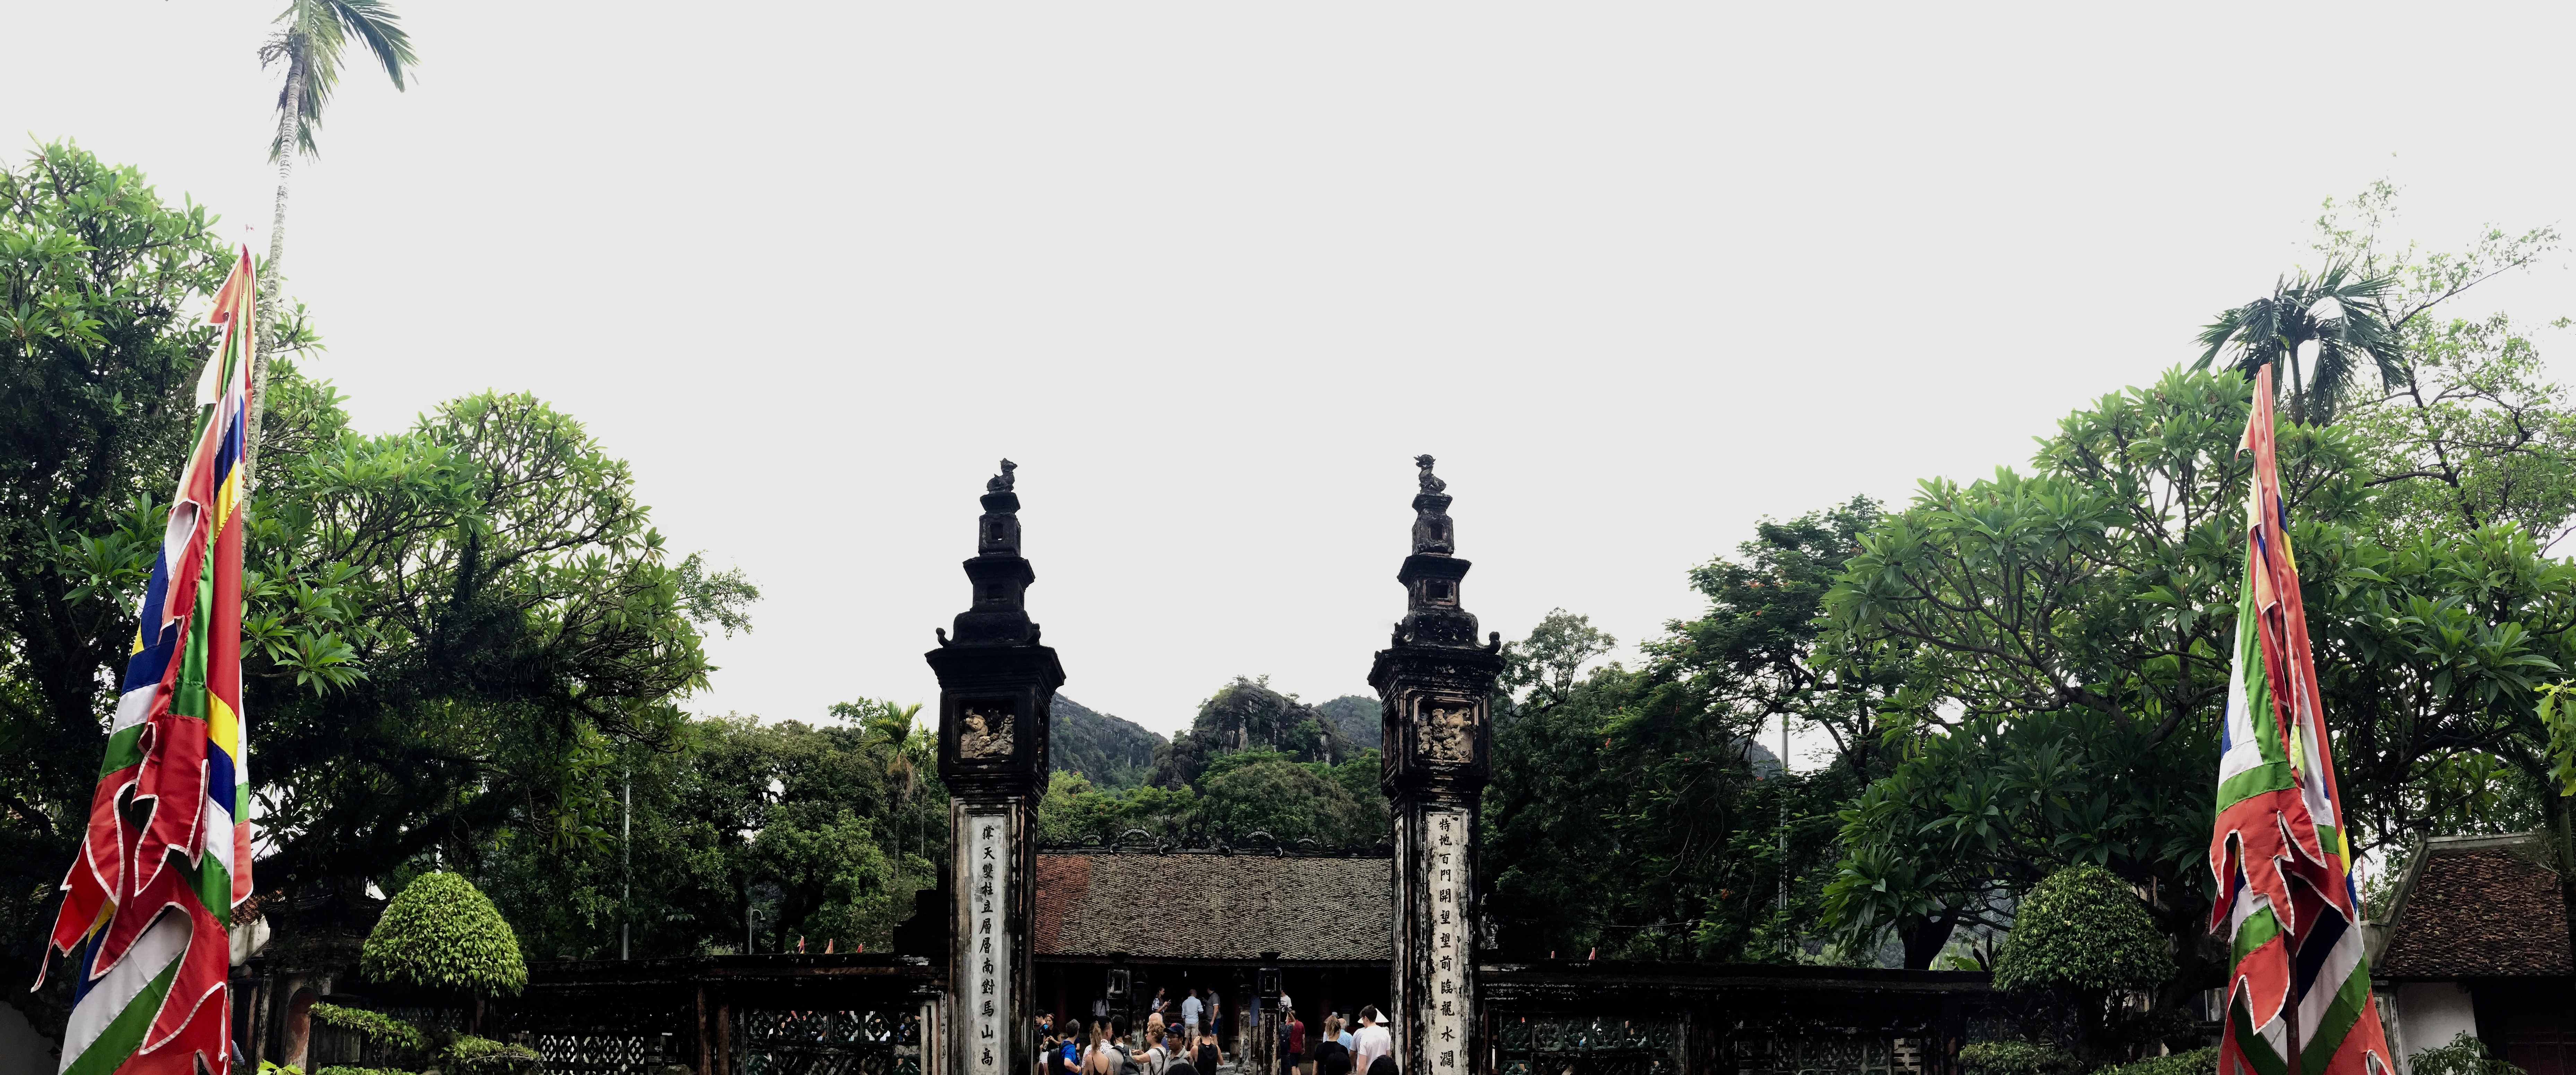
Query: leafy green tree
x: 1625, y: 810
x: 440, y: 932
x: 2341, y: 310
x: 2065, y: 642
x: 1291, y: 802
x: 1247, y: 715
x: 499, y: 613
x: 2084, y: 947
x: 1110, y: 752
x: 800, y: 816
x: 2475, y: 432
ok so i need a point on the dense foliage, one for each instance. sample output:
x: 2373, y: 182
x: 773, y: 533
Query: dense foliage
x: 2014, y: 1058
x: 1626, y: 812
x: 1359, y: 717
x: 2082, y: 948
x: 449, y: 629
x: 440, y: 932
x: 1254, y: 761
x: 2464, y: 1054
x: 1247, y: 715
x: 814, y: 831
x: 2204, y: 1061
x: 1104, y: 750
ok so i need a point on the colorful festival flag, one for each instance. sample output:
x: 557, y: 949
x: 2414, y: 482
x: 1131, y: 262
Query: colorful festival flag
x: 166, y: 857
x: 2288, y: 899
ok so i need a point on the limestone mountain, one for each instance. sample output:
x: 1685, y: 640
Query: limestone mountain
x: 1357, y: 714
x: 1247, y: 715
x: 1110, y: 752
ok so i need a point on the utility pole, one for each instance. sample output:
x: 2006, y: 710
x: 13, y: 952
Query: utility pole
x: 626, y: 864
x: 1783, y: 790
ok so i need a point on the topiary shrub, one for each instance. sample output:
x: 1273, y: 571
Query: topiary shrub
x: 374, y: 1026
x: 2200, y: 1061
x: 2081, y: 947
x: 472, y: 1054
x: 440, y: 932
x: 2014, y: 1058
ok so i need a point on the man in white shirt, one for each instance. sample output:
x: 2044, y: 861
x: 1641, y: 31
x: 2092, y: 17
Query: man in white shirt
x: 1190, y: 1010
x: 1370, y: 1043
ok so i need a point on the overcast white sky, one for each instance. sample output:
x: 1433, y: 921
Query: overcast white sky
x: 1212, y: 274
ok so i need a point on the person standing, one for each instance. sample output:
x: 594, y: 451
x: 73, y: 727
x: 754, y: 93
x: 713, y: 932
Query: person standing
x: 1292, y: 1040
x: 1155, y: 1054
x: 1332, y: 1056
x: 1191, y: 1009
x: 1372, y: 1043
x: 1069, y: 1056
x: 1101, y: 1059
x: 1209, y: 1056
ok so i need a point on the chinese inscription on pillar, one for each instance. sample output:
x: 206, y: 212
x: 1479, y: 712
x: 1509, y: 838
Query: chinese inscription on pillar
x: 1447, y: 1006
x: 988, y: 953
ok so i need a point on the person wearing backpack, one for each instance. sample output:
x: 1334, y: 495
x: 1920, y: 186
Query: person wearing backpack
x: 1292, y: 1039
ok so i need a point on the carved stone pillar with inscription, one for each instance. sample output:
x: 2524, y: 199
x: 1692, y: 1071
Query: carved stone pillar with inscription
x: 1432, y: 685
x: 996, y: 687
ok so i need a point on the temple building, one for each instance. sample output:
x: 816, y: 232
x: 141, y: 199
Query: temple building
x: 1017, y: 929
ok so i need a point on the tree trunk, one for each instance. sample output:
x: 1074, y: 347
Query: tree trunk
x: 2298, y: 394
x: 272, y: 284
x: 1925, y: 940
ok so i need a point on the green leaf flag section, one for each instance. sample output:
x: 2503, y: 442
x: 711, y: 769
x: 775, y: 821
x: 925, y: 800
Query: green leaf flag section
x: 110, y: 1020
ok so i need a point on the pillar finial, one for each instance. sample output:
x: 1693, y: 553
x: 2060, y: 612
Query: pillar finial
x: 1431, y: 576
x: 999, y: 615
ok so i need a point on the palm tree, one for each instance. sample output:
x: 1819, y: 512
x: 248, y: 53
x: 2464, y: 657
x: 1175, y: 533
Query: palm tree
x: 889, y: 733
x: 2340, y: 310
x: 309, y: 40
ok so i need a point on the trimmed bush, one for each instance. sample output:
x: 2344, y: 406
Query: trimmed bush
x: 2014, y: 1058
x: 441, y: 932
x: 2200, y: 1061
x: 374, y: 1026
x: 2082, y: 929
x: 475, y: 1054
x: 2081, y: 948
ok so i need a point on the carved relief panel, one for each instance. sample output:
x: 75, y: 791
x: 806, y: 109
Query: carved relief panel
x: 988, y: 728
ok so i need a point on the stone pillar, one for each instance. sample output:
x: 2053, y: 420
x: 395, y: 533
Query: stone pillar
x: 996, y: 687
x: 1432, y: 686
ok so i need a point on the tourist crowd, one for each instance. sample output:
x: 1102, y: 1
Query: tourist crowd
x: 1183, y: 1039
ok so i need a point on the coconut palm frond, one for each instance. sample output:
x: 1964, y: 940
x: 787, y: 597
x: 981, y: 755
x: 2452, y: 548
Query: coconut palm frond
x: 2341, y: 310
x: 311, y: 40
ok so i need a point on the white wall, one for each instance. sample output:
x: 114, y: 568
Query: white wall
x: 2430, y: 1014
x: 22, y: 1050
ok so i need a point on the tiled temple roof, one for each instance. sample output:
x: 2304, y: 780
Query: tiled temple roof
x: 2478, y: 907
x: 1231, y: 907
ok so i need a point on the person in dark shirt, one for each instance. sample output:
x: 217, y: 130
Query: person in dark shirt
x: 1331, y: 1057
